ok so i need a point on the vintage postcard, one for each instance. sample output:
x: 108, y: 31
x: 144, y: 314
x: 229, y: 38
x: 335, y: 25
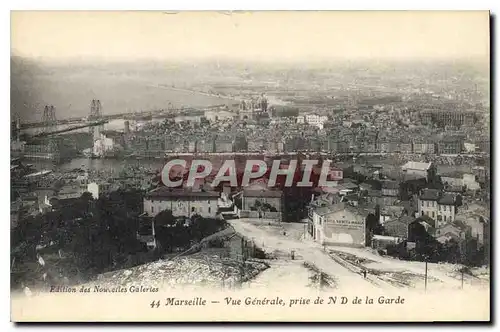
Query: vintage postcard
x: 265, y: 166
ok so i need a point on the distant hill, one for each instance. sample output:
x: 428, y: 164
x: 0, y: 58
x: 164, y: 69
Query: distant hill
x: 132, y: 86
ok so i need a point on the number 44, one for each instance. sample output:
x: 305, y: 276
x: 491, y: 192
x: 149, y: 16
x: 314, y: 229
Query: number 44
x: 155, y: 304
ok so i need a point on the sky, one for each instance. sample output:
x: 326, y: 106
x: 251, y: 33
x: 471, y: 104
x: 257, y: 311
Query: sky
x: 284, y: 36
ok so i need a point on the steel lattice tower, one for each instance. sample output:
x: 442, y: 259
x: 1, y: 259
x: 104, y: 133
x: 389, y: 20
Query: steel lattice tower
x: 49, y: 120
x: 95, y: 115
x: 15, y: 129
x: 95, y: 109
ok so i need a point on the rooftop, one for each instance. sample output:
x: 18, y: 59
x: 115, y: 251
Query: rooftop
x: 430, y: 195
x: 352, y: 197
x: 415, y: 165
x: 425, y: 220
x: 450, y: 225
x: 447, y: 199
x: 403, y: 219
x: 452, y: 174
x: 324, y: 210
x: 390, y: 185
x: 413, y: 177
x: 406, y: 219
x: 161, y: 192
x: 384, y: 237
x: 454, y: 189
x: 261, y: 193
x: 374, y: 193
x: 347, y: 185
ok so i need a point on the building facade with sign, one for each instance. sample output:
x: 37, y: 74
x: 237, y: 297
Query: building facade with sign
x: 338, y: 225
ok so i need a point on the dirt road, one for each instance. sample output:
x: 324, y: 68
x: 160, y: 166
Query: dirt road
x: 346, y: 265
x: 282, y: 246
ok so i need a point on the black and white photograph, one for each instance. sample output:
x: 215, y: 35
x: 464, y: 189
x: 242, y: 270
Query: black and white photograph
x: 250, y: 166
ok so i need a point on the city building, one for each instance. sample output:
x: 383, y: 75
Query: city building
x: 55, y: 148
x: 240, y: 143
x: 465, y: 181
x: 418, y: 227
x: 427, y: 202
x: 450, y: 145
x: 437, y: 205
x: 181, y: 202
x: 478, y: 225
x: 273, y: 147
x: 338, y: 224
x: 155, y: 146
x: 390, y: 192
x: 476, y: 215
x: 214, y: 116
x: 68, y: 191
x: 449, y: 231
x: 253, y: 109
x: 406, y: 145
x: 452, y: 179
x: 256, y: 144
x: 336, y: 145
x: 446, y: 209
x: 188, y: 118
x: 483, y: 145
x: 413, y: 169
x: 448, y: 118
x: 470, y: 183
x: 98, y: 189
x: 316, y: 120
x: 82, y: 180
x: 191, y: 146
x: 481, y: 173
x: 205, y: 145
x: 398, y: 227
x: 390, y: 212
x: 223, y: 143
x: 374, y: 197
x: 138, y: 144
x: 381, y: 242
x: 170, y: 144
x: 423, y: 146
x: 469, y: 147
x: 254, y: 198
x: 102, y: 146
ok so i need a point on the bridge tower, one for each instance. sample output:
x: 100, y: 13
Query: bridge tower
x: 15, y: 127
x: 96, y: 115
x: 49, y: 120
